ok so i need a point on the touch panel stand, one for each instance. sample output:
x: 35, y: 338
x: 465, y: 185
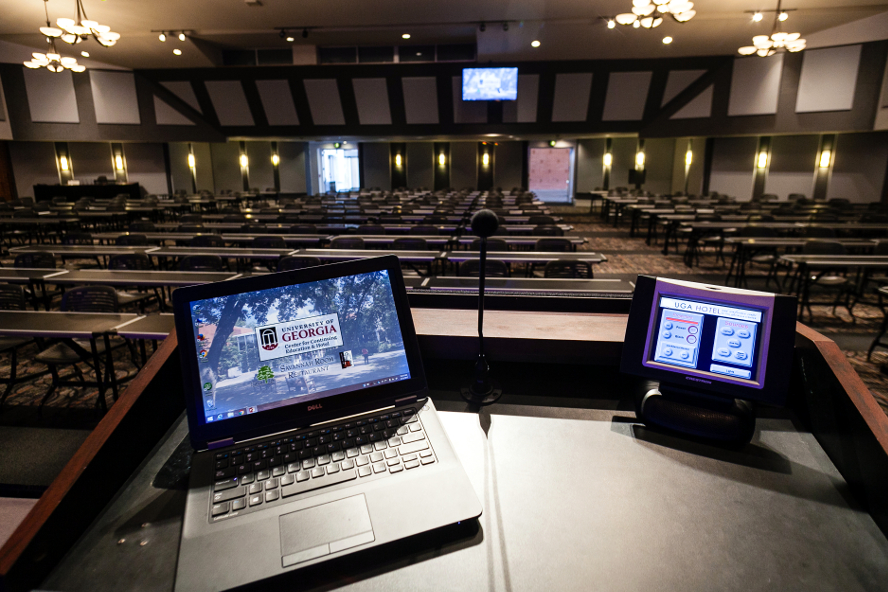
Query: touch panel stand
x: 729, y: 421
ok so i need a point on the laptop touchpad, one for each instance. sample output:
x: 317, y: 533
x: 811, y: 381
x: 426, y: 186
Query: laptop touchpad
x: 325, y: 529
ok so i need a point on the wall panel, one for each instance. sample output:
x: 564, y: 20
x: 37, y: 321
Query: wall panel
x: 419, y: 164
x: 261, y: 169
x: 571, y: 101
x: 91, y: 160
x: 377, y: 169
x: 33, y: 163
x: 277, y: 102
x: 658, y: 162
x: 180, y: 174
x: 755, y: 85
x: 590, y: 154
x: 371, y: 96
x: 226, y: 170
x: 828, y: 79
x: 230, y: 102
x: 623, y: 153
x: 793, y: 160
x: 420, y: 99
x: 114, y: 97
x: 626, y: 95
x: 324, y: 101
x: 508, y: 165
x: 858, y: 171
x: 292, y: 167
x: 51, y: 96
x: 203, y: 157
x: 732, y: 166
x: 145, y: 166
x: 464, y: 165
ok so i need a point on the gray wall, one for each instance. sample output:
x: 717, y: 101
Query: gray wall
x: 226, y: 169
x: 508, y: 165
x: 179, y: 171
x: 464, y: 165
x: 590, y: 173
x: 145, y: 166
x: 733, y: 160
x: 858, y: 171
x: 695, y: 172
x: 33, y: 163
x: 419, y: 165
x: 377, y: 170
x: 261, y: 168
x: 623, y: 151
x: 292, y: 167
x: 91, y: 160
x: 658, y: 161
x: 791, y: 170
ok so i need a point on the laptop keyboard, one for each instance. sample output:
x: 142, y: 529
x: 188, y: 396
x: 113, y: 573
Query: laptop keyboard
x: 262, y: 474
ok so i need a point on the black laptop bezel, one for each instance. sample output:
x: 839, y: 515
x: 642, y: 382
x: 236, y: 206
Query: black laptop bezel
x: 298, y: 414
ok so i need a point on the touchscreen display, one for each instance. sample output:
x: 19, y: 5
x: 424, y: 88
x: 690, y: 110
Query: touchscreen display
x: 270, y: 348
x: 712, y: 337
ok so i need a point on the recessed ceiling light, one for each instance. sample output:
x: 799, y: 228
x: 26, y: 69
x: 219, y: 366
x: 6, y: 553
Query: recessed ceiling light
x: 757, y: 17
x: 162, y: 37
x: 177, y: 51
x: 405, y: 36
x: 291, y: 39
x: 181, y: 36
x: 84, y: 54
x: 535, y: 43
x: 782, y: 16
x: 611, y: 23
x: 667, y: 40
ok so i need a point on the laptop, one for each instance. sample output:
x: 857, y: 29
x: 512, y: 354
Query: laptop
x: 312, y: 429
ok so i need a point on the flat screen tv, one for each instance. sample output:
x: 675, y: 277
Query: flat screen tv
x: 490, y: 84
x: 713, y: 340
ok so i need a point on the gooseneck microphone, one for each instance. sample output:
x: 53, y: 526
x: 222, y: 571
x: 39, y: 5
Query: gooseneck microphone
x: 483, y: 390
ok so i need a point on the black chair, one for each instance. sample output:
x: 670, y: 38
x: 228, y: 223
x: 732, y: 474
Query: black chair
x: 12, y: 297
x: 493, y: 244
x: 303, y: 229
x: 426, y: 229
x: 292, y: 262
x: 371, y: 229
x: 207, y: 240
x: 132, y: 240
x: 541, y: 220
x: 818, y: 232
x: 201, y: 263
x: 556, y: 245
x: 142, y: 226
x: 567, y: 269
x: 547, y: 230
x: 191, y: 227
x: 347, y: 242
x: 73, y: 352
x: 830, y: 279
x: 269, y: 242
x: 191, y: 219
x: 492, y: 268
x: 38, y: 260
x: 410, y: 244
x: 134, y: 262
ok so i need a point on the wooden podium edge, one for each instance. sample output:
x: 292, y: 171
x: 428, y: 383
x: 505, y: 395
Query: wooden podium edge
x: 102, y: 464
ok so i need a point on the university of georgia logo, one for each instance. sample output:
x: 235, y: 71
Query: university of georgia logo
x: 269, y: 338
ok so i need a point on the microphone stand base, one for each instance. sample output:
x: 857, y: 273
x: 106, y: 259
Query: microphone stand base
x: 482, y: 399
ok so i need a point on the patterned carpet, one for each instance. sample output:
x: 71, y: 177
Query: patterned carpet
x: 625, y: 257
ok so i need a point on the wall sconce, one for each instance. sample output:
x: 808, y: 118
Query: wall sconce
x: 190, y: 161
x: 689, y: 158
x: 118, y: 162
x: 639, y: 161
x: 275, y: 159
x: 442, y: 160
x: 485, y: 159
x: 608, y: 159
x: 552, y: 143
x: 63, y: 163
x: 244, y: 161
x: 825, y: 157
x: 398, y: 160
x: 762, y: 161
x: 337, y: 145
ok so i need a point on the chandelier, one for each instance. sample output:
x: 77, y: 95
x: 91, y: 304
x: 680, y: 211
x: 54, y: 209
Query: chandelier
x: 649, y: 13
x: 52, y: 60
x: 80, y: 28
x: 765, y: 46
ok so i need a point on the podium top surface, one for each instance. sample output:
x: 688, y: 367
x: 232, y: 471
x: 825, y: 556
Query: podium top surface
x: 574, y: 499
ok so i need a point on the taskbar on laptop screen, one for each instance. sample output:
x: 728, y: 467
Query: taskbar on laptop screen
x: 294, y: 344
x: 718, y: 338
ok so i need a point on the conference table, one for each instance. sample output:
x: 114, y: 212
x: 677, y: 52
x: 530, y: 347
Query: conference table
x: 240, y: 238
x: 237, y: 253
x: 809, y: 268
x: 548, y: 287
x: 433, y: 240
x: 426, y: 258
x: 522, y: 241
x: 531, y: 259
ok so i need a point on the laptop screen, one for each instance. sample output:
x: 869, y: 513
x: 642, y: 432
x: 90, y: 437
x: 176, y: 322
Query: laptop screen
x: 297, y: 343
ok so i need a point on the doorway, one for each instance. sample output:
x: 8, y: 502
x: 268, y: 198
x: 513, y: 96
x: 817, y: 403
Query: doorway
x: 340, y: 170
x: 550, y: 173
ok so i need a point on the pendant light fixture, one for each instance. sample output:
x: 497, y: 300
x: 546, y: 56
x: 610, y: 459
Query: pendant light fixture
x: 52, y: 60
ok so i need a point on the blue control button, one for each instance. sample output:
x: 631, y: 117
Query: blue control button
x: 734, y: 343
x: 740, y: 355
x: 667, y: 325
x: 743, y: 334
x: 727, y: 331
x: 668, y: 352
x: 667, y: 334
x: 724, y: 352
x: 685, y: 355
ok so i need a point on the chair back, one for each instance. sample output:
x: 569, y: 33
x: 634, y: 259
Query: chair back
x: 492, y: 268
x: 756, y: 232
x: 12, y: 297
x: 297, y: 262
x: 760, y: 218
x: 35, y: 260
x: 539, y: 220
x: 90, y: 299
x: 201, y: 263
x: 547, y: 230
x: 303, y: 229
x: 568, y: 269
x: 374, y: 229
x: 269, y: 242
x: 558, y: 245
x: 818, y: 232
x: 77, y: 238
x: 207, y: 240
x: 132, y: 240
x: 493, y: 244
x: 25, y: 213
x: 130, y: 261
x: 427, y: 229
x: 196, y: 227
x: 410, y: 244
x: 881, y: 248
x: 347, y: 242
x: 142, y: 226
x: 191, y: 219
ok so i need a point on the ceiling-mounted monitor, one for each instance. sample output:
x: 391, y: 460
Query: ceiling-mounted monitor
x: 490, y: 84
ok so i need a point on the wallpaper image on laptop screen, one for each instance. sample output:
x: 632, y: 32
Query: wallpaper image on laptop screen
x: 271, y: 348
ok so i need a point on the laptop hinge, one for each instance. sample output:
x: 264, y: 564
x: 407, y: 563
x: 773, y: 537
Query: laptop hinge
x: 220, y: 443
x: 406, y: 400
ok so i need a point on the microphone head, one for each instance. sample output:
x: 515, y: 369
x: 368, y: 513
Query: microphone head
x: 484, y: 223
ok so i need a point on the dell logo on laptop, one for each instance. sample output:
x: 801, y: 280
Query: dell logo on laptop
x: 315, y: 407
